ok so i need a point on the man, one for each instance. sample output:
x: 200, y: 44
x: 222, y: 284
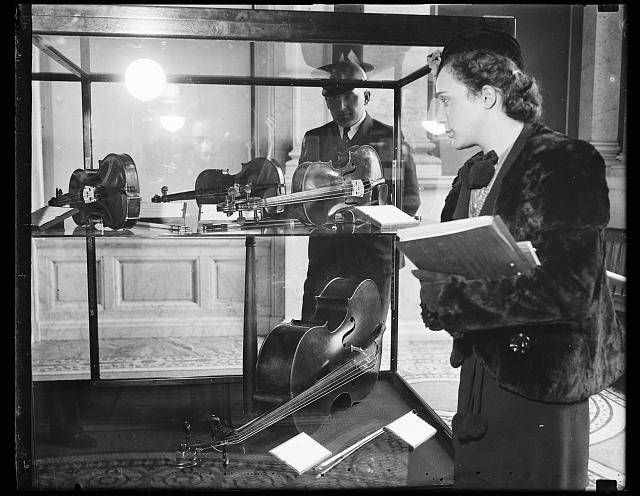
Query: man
x: 358, y: 256
x: 533, y: 347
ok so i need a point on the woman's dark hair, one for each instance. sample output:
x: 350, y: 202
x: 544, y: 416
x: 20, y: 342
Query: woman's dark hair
x: 520, y: 91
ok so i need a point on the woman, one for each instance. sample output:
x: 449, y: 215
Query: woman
x: 532, y: 347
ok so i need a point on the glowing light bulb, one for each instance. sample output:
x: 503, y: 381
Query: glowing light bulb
x: 145, y: 79
x: 172, y: 123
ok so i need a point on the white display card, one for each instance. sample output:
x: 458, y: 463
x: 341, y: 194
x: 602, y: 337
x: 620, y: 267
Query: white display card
x: 411, y: 429
x: 301, y: 452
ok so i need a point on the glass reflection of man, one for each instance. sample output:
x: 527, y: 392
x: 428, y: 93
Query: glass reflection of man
x: 356, y: 256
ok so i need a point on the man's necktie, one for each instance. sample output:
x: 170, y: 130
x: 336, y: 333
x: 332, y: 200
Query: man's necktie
x: 345, y: 135
x: 479, y: 169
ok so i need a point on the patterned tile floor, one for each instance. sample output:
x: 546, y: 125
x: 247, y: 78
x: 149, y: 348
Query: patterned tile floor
x: 423, y: 359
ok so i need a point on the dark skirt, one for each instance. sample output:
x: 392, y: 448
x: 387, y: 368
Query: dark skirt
x: 527, y: 444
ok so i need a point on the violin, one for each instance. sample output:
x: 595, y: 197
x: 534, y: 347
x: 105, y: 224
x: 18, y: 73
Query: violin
x: 261, y: 176
x: 322, y: 189
x: 309, y: 367
x: 111, y: 193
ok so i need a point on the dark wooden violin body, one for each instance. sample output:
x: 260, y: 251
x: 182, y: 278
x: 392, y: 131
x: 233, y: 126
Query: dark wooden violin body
x: 261, y: 176
x: 111, y: 192
x: 322, y: 189
x: 333, y: 360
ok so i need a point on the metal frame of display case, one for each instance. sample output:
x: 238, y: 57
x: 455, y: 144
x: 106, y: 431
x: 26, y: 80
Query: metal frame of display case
x: 36, y: 21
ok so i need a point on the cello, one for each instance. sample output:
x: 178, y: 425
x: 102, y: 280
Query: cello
x: 263, y: 176
x: 306, y: 368
x: 112, y: 193
x: 322, y: 189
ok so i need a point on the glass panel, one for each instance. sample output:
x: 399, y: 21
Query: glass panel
x: 187, y: 129
x: 41, y: 62
x: 423, y: 355
x: 56, y: 138
x: 60, y: 350
x: 176, y: 306
x: 232, y: 58
x: 302, y: 60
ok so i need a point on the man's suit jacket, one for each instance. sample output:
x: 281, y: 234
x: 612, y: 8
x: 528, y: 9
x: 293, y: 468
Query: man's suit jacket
x: 358, y: 256
x: 552, y: 191
x: 324, y: 142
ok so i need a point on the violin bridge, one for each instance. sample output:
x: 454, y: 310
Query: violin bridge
x: 89, y: 194
x: 357, y: 188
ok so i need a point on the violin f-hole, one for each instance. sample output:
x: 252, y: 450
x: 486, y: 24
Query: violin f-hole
x: 345, y: 337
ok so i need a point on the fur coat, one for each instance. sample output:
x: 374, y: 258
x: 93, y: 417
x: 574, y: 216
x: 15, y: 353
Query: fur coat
x: 551, y: 334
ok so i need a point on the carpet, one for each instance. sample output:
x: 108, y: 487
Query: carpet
x: 380, y: 464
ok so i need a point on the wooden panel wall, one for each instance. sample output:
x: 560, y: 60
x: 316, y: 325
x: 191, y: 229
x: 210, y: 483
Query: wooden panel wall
x: 153, y: 287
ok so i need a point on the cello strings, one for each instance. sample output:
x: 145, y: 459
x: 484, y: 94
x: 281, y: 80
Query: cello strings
x: 291, y: 406
x: 354, y: 370
x: 288, y: 408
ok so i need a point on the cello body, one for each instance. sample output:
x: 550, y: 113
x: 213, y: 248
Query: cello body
x: 111, y: 192
x: 297, y: 355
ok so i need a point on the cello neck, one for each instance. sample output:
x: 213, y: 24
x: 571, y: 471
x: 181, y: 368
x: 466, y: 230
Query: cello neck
x: 352, y: 369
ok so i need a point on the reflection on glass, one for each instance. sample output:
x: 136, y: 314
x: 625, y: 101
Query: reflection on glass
x: 231, y: 58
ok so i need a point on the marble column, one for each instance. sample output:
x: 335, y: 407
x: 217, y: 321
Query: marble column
x: 600, y: 107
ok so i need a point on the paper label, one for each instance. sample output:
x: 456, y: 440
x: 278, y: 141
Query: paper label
x: 301, y: 452
x: 411, y: 429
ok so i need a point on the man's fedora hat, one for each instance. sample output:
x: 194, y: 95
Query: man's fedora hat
x: 344, y: 70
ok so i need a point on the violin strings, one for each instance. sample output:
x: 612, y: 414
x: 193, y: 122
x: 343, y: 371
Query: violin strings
x: 354, y: 370
x: 76, y: 197
x: 305, y: 196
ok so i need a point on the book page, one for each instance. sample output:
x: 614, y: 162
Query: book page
x: 478, y: 249
x: 529, y: 251
x: 301, y: 452
x: 443, y: 228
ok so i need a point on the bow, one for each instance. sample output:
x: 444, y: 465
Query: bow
x: 478, y: 170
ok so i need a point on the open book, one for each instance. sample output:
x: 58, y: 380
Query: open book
x: 477, y: 247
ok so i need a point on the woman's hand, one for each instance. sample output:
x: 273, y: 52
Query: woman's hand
x: 431, y: 284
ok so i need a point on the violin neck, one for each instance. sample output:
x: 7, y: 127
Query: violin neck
x: 335, y: 379
x: 184, y: 195
x: 88, y: 194
x: 352, y: 187
x: 189, y: 195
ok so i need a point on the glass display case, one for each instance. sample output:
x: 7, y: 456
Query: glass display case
x: 144, y: 318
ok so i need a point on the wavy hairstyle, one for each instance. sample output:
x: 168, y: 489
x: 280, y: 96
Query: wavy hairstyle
x: 520, y: 91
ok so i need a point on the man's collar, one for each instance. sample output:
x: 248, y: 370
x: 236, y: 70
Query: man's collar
x: 354, y: 128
